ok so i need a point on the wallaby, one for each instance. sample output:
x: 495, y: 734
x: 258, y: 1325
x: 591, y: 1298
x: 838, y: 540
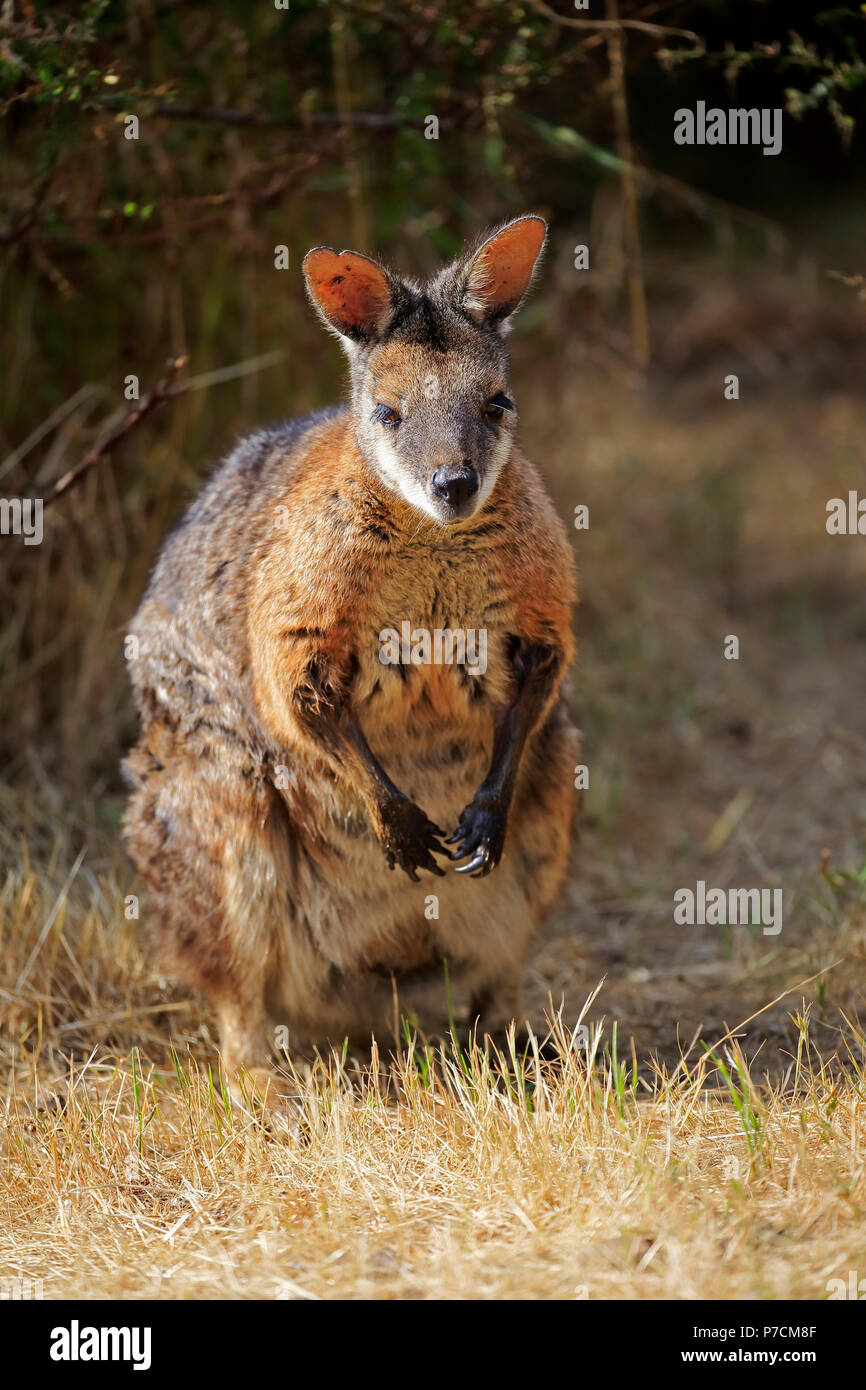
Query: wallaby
x: 295, y: 719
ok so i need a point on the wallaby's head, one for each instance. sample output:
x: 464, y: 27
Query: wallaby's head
x: 431, y: 398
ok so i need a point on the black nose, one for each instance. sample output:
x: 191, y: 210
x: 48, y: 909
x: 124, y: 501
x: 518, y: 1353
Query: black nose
x: 455, y: 484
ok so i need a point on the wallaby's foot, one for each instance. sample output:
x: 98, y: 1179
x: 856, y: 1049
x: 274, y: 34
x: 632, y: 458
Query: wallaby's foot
x: 480, y: 834
x: 409, y: 838
x: 269, y: 1096
x: 255, y: 1086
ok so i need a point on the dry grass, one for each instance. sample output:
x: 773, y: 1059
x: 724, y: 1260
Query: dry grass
x: 127, y: 1172
x: 452, y: 1181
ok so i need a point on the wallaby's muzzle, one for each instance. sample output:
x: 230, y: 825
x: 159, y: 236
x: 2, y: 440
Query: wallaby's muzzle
x: 453, y: 487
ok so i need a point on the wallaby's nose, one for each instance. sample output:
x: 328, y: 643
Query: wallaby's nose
x: 455, y: 483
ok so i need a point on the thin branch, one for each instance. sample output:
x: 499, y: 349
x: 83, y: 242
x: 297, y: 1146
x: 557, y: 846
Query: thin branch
x: 161, y: 392
x: 273, y: 190
x: 226, y: 115
x: 636, y: 287
x: 9, y: 235
x: 853, y: 282
x: 613, y: 26
x: 56, y: 417
x: 221, y: 374
x: 165, y: 390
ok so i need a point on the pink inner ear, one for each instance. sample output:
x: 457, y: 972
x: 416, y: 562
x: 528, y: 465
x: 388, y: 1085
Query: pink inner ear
x: 350, y: 290
x: 503, y: 268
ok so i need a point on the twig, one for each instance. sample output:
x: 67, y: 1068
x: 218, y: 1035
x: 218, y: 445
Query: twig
x: 343, y: 94
x: 56, y: 417
x: 220, y: 374
x: 226, y: 201
x: 164, y: 390
x: 636, y: 287
x: 161, y: 392
x: 226, y: 115
x: 615, y: 26
x: 9, y: 235
x: 852, y: 282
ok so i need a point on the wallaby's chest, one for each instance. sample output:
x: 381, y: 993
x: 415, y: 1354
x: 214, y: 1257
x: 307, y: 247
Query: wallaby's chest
x: 434, y: 656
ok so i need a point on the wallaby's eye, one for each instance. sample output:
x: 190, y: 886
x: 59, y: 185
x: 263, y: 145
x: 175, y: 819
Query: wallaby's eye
x: 497, y: 405
x: 386, y: 415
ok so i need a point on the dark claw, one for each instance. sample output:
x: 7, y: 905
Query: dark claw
x: 476, y: 863
x: 479, y: 839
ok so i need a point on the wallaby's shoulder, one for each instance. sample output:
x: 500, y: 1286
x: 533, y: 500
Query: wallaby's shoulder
x: 261, y: 465
x: 214, y: 539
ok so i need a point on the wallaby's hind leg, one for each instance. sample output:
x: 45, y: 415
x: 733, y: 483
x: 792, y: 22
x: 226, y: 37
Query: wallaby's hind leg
x: 198, y: 831
x: 245, y: 1056
x: 495, y: 1005
x: 493, y: 1011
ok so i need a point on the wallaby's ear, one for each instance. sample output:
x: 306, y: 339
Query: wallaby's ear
x: 353, y: 294
x: 492, y: 281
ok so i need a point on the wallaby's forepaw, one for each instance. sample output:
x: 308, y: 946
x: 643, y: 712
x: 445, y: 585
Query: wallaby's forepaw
x: 480, y: 834
x: 410, y: 839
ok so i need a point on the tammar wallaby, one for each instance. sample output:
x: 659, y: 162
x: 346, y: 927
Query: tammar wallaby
x: 299, y: 737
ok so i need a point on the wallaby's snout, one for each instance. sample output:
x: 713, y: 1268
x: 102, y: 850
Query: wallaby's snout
x: 456, y: 485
